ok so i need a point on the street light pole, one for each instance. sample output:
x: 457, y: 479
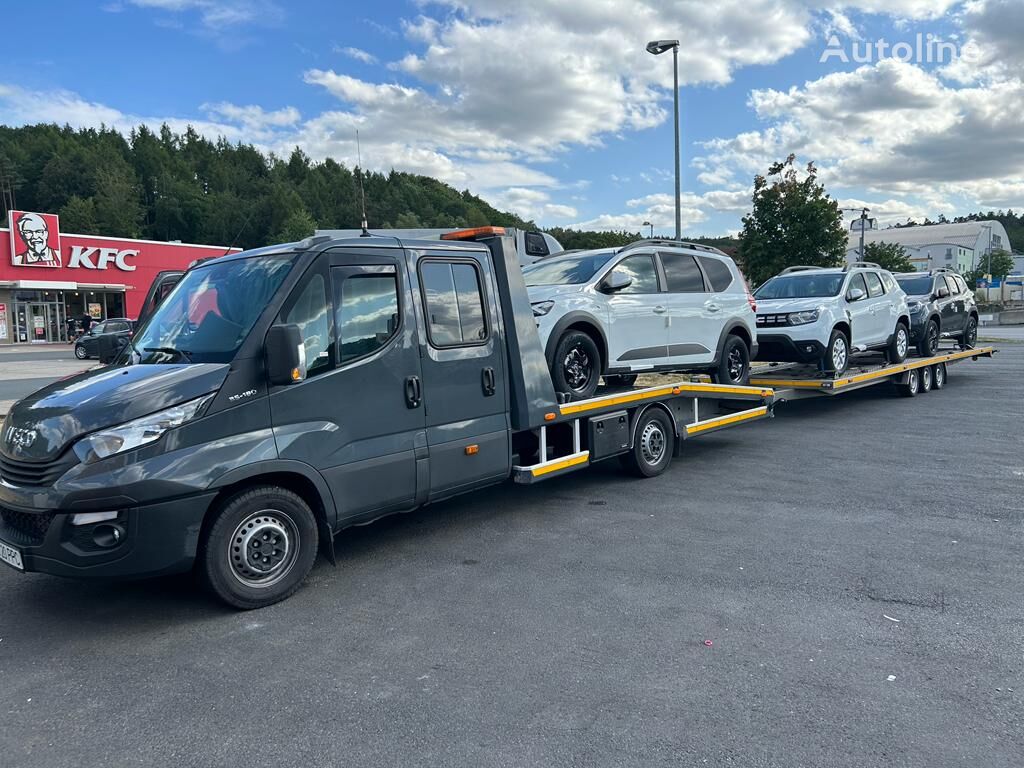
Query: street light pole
x: 658, y: 47
x: 648, y: 224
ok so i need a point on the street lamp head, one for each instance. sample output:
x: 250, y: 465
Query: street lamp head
x: 660, y: 46
x: 646, y: 224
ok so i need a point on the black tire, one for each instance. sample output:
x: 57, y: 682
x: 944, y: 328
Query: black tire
x: 928, y: 345
x: 913, y: 385
x: 899, y: 345
x: 926, y: 379
x: 621, y: 380
x: 255, y: 520
x: 576, y: 368
x: 734, y: 362
x: 969, y: 338
x: 939, y: 376
x: 653, y: 441
x: 80, y: 352
x: 837, y: 354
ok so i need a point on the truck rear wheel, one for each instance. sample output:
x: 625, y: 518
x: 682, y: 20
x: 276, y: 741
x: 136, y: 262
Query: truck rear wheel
x: 652, y: 444
x: 259, y: 548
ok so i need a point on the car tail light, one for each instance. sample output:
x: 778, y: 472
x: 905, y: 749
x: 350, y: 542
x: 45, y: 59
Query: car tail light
x: 750, y: 297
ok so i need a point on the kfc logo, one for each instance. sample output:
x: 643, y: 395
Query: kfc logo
x: 35, y: 239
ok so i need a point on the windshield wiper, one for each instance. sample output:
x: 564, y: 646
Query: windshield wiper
x: 170, y: 351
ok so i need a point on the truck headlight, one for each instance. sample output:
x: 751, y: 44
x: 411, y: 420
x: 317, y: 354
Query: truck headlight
x: 134, y: 434
x: 802, y: 318
x: 541, y: 308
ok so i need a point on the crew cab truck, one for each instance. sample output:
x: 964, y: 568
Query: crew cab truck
x: 278, y: 396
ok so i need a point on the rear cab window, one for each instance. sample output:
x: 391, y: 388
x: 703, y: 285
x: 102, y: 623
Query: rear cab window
x: 454, y: 304
x: 535, y: 244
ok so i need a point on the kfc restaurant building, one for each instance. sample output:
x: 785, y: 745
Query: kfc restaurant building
x: 47, y: 276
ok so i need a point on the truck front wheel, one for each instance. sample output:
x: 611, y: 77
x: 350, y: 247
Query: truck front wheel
x: 259, y: 548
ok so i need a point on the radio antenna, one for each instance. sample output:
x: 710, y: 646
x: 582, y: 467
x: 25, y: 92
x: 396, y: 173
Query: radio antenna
x: 362, y: 192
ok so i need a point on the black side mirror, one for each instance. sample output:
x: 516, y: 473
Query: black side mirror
x: 286, y: 355
x: 616, y: 281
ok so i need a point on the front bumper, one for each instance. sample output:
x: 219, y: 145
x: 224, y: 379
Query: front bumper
x: 778, y: 348
x: 152, y: 540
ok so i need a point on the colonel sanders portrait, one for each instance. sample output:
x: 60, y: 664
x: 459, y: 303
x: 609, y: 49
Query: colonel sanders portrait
x: 35, y: 236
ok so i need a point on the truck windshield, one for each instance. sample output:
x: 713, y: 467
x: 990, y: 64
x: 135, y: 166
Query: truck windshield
x: 566, y: 270
x: 915, y: 286
x: 803, y: 286
x: 209, y: 313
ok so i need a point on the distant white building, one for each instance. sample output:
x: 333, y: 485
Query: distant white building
x: 960, y: 246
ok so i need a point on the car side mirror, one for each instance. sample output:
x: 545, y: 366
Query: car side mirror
x: 616, y: 281
x: 942, y: 293
x: 286, y: 354
x: 855, y: 294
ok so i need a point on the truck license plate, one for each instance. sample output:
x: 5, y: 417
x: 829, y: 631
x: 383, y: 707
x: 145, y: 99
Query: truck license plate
x: 11, y: 556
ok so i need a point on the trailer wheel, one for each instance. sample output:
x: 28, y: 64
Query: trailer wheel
x: 900, y: 344
x: 939, y: 376
x: 926, y: 379
x: 913, y: 385
x: 652, y: 444
x: 260, y: 547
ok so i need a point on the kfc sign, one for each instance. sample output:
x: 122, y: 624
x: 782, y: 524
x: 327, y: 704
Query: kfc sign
x: 35, y: 239
x: 35, y: 242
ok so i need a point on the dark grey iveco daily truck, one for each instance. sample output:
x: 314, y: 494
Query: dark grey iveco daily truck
x: 278, y: 396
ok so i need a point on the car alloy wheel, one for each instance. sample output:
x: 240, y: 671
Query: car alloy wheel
x: 736, y: 364
x: 971, y: 334
x: 902, y: 343
x: 578, y: 369
x: 80, y: 352
x: 932, y: 339
x: 840, y: 354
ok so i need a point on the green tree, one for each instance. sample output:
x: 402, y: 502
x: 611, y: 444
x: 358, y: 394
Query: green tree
x: 792, y: 222
x: 78, y: 215
x: 297, y: 226
x: 890, y: 256
x: 999, y: 265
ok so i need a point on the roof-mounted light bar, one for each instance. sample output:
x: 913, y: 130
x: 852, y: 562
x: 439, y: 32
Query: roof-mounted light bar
x: 473, y: 233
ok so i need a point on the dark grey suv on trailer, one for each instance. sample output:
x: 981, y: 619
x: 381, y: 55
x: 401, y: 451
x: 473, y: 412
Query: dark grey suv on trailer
x: 942, y: 306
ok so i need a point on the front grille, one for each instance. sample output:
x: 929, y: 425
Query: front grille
x: 35, y: 474
x: 27, y: 527
x: 772, y: 321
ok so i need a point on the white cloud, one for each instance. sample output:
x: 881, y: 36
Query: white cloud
x: 358, y: 54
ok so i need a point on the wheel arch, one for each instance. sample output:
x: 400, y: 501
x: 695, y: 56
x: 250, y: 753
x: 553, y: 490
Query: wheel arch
x: 734, y: 327
x: 295, y: 476
x: 578, y: 321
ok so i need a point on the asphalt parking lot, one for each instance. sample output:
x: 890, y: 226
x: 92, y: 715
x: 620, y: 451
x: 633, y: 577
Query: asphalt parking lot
x: 855, y: 564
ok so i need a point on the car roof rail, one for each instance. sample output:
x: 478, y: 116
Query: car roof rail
x: 671, y: 244
x: 944, y: 270
x: 861, y: 265
x: 798, y: 268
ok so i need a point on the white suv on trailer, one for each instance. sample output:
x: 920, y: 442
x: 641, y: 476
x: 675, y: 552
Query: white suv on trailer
x: 653, y: 305
x: 819, y: 315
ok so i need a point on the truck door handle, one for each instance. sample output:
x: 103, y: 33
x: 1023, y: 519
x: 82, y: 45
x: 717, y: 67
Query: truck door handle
x: 489, y: 381
x: 659, y: 310
x: 413, y: 394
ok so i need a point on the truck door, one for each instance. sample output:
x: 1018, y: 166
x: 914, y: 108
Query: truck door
x: 462, y: 351
x: 357, y: 417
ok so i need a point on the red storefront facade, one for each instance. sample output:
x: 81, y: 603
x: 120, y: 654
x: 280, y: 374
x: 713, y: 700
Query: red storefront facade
x: 47, y: 276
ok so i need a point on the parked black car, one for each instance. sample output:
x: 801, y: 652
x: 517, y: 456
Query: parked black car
x: 942, y: 306
x: 89, y: 344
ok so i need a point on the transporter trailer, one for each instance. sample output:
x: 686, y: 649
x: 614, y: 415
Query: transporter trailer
x: 911, y: 377
x: 276, y: 397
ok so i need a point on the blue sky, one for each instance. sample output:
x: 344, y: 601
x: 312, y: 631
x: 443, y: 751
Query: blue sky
x: 554, y: 109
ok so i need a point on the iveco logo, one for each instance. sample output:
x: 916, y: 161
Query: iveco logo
x: 20, y: 439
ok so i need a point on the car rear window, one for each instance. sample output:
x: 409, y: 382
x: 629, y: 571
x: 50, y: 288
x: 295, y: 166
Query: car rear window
x: 718, y: 272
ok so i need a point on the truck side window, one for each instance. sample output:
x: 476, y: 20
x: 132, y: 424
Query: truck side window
x: 454, y: 303
x: 535, y: 244
x: 368, y: 315
x: 309, y: 312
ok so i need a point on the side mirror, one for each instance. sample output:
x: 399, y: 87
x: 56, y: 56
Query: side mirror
x: 286, y: 355
x: 855, y: 294
x: 942, y: 293
x: 616, y: 281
